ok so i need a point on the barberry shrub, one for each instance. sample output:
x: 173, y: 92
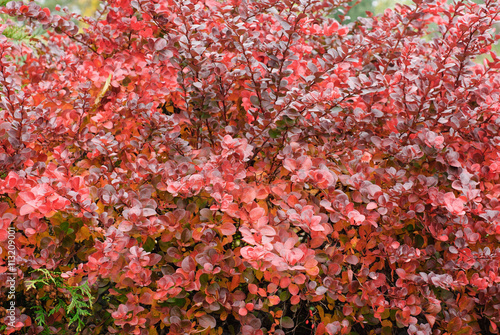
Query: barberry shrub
x: 253, y: 167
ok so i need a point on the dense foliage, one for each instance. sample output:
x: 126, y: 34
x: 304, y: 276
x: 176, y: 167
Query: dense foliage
x: 252, y: 166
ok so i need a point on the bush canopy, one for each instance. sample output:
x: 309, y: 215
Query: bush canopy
x: 250, y: 166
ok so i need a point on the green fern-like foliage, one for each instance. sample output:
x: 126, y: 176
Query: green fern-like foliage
x: 79, y: 307
x: 16, y: 33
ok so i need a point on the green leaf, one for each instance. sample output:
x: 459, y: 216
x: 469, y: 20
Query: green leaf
x: 285, y: 295
x: 288, y: 121
x: 280, y: 123
x: 126, y: 81
x: 255, y: 100
x: 274, y: 133
x: 65, y: 226
x: 287, y: 322
x: 68, y: 242
x: 176, y: 302
x: 149, y: 245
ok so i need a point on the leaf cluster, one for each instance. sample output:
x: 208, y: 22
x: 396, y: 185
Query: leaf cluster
x: 254, y: 167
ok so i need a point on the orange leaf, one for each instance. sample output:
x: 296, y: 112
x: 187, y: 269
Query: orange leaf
x: 314, y: 271
x: 294, y: 289
x: 235, y: 281
x: 274, y: 300
x: 294, y: 300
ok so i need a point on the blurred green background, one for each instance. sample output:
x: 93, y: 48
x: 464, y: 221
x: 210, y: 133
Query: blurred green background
x: 84, y: 7
x: 378, y: 7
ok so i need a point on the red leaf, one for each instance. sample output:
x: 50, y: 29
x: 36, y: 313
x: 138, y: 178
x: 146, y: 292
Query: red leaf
x: 401, y: 273
x: 126, y: 226
x: 248, y: 195
x: 252, y: 288
x: 431, y: 319
x: 294, y: 300
x: 454, y: 325
x: 352, y: 259
x: 227, y: 228
x: 188, y: 264
x: 257, y: 213
x: 160, y: 44
x: 285, y: 281
x: 207, y: 321
x: 267, y: 230
x: 3, y: 235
